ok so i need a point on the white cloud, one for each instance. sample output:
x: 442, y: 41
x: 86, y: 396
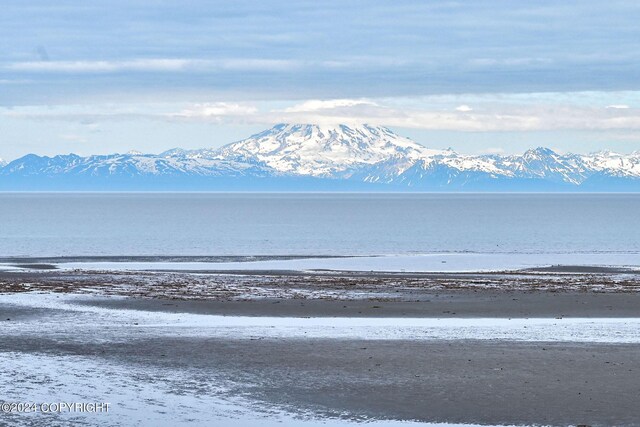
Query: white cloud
x: 617, y: 107
x: 497, y: 114
x: 493, y: 118
x: 72, y: 137
x: 510, y: 62
x: 493, y: 150
x: 99, y: 66
x: 253, y: 64
x: 319, y: 105
x: 195, y: 65
x: 216, y: 112
x: 154, y: 65
x: 14, y: 81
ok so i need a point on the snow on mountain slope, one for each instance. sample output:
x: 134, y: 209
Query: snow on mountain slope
x: 543, y: 163
x: 614, y: 164
x: 127, y: 165
x: 351, y: 154
x: 484, y: 164
x: 2, y: 162
x: 345, y: 151
x: 323, y: 151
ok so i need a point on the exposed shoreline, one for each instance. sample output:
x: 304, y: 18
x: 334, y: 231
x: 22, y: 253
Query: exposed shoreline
x: 411, y: 264
x: 342, y: 379
x: 450, y: 381
x: 604, y: 293
x: 390, y: 287
x: 447, y: 304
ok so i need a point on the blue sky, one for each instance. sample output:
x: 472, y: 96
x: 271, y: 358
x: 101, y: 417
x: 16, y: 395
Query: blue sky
x: 481, y: 76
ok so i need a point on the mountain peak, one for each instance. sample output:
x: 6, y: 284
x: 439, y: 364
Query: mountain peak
x: 607, y: 153
x: 336, y: 156
x: 540, y: 152
x: 174, y: 152
x: 326, y: 130
x: 322, y: 150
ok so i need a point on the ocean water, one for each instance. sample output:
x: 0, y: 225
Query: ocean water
x: 160, y: 224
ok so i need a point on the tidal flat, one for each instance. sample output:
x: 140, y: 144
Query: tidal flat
x: 556, y: 347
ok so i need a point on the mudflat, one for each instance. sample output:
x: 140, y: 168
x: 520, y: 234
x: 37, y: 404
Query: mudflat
x: 441, y: 304
x: 607, y: 293
x: 481, y: 381
x: 455, y: 381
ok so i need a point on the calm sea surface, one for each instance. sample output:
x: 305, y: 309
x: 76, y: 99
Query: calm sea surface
x: 315, y: 224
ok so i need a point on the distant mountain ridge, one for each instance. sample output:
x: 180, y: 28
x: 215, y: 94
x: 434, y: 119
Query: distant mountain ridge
x: 304, y: 157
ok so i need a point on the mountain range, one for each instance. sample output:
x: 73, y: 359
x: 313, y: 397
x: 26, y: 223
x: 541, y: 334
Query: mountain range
x: 304, y: 157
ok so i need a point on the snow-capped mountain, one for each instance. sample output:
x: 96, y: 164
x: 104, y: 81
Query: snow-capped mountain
x: 615, y: 164
x: 324, y: 151
x: 312, y: 157
x: 123, y: 165
x: 2, y: 162
x: 543, y: 163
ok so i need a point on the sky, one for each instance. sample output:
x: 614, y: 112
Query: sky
x: 486, y: 76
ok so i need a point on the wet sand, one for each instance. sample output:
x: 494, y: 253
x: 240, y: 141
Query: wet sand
x: 456, y: 382
x: 442, y: 304
x: 453, y: 381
